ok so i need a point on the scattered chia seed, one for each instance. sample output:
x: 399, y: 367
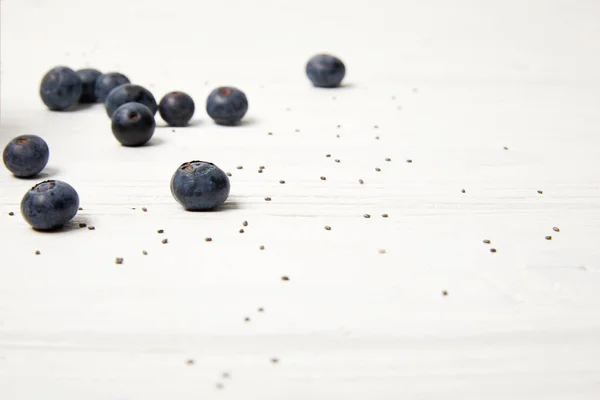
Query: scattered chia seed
x: 486, y: 241
x: 382, y: 251
x: 144, y: 209
x: 274, y: 360
x: 80, y: 209
x: 327, y: 228
x: 226, y: 375
x: 37, y: 253
x: 505, y: 148
x: 260, y: 171
x: 161, y: 231
x: 378, y: 169
x: 144, y: 252
x: 228, y: 173
x: 337, y: 136
x: 445, y: 293
x: 82, y: 225
x: 282, y: 182
x: 388, y: 159
x: 119, y: 260
x: 361, y: 181
x: 270, y: 133
x: 409, y: 161
x: 296, y: 130
x: 367, y: 216
x: 323, y: 178
x: 220, y: 386
x: 245, y: 223
x: 247, y: 319
x: 337, y: 160
x: 548, y: 237
x: 91, y: 228
x: 241, y: 231
x: 11, y: 213
x: 190, y: 362
x: 463, y: 191
x: 555, y: 229
x: 327, y: 155
x: 267, y: 199
x: 376, y: 137
x: 261, y: 309
x: 493, y: 250
x: 262, y: 247
x: 540, y: 191
x: 384, y: 215
x: 239, y: 167
x: 208, y: 239
x: 261, y: 167
x: 165, y: 241
x: 375, y: 127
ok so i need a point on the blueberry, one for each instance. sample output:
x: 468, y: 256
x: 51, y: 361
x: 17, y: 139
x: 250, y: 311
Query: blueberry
x: 26, y: 155
x: 227, y: 105
x: 60, y: 88
x: 133, y: 124
x: 49, y: 205
x: 107, y: 82
x: 325, y: 71
x: 176, y: 108
x: 200, y: 186
x: 88, y: 78
x: 129, y: 93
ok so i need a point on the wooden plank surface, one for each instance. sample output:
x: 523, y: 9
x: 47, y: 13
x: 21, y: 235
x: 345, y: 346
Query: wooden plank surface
x: 499, y: 99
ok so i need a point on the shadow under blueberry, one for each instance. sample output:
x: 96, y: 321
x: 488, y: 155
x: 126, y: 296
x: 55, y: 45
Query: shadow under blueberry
x: 244, y: 122
x: 42, y: 176
x: 191, y: 124
x: 227, y: 206
x: 339, y: 87
x: 79, y: 107
x: 77, y: 223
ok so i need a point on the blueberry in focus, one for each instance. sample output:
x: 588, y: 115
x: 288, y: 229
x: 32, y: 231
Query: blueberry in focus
x: 176, y: 108
x: 200, y: 186
x: 88, y: 78
x: 60, y: 88
x: 133, y: 124
x: 107, y: 82
x: 49, y: 205
x: 226, y: 105
x: 325, y: 71
x: 129, y: 93
x: 26, y: 155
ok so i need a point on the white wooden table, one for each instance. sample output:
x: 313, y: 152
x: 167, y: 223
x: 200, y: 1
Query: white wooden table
x: 445, y: 84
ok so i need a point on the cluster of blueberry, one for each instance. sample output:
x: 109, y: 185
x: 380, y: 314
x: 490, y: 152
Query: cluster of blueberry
x: 196, y: 185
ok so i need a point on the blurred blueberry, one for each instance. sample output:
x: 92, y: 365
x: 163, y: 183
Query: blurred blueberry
x: 88, y: 78
x: 60, y: 88
x: 227, y: 105
x: 325, y: 71
x: 176, y: 108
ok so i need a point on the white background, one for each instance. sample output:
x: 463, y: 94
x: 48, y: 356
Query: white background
x: 447, y: 83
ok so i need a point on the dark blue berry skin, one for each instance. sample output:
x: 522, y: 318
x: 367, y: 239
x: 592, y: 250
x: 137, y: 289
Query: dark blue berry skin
x: 325, y: 71
x: 176, y: 108
x: 26, y: 156
x: 133, y: 124
x: 129, y: 93
x: 227, y: 105
x: 60, y: 88
x: 107, y: 82
x: 49, y: 205
x: 88, y: 78
x: 200, y: 186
